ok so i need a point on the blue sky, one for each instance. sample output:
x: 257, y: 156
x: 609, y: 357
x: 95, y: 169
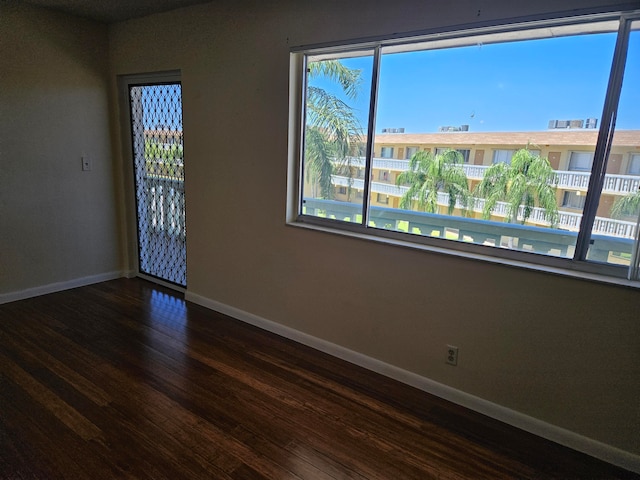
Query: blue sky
x: 162, y: 106
x: 516, y: 86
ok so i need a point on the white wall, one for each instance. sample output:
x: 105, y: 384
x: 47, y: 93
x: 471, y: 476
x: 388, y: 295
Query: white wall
x: 58, y: 223
x: 561, y: 350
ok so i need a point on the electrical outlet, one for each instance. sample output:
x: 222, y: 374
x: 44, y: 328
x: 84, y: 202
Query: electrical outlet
x: 452, y: 355
x: 86, y: 163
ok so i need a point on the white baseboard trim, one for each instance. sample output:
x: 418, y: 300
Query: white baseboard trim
x: 130, y: 273
x: 58, y: 286
x: 575, y: 441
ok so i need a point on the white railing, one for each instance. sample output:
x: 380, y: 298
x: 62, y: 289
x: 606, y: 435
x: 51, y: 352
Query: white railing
x: 356, y: 183
x: 381, y: 163
x: 376, y: 187
x: 389, y: 189
x: 569, y: 220
x: 573, y: 180
x: 474, y: 172
x: 621, y: 184
x: 162, y: 207
x: 391, y: 164
x: 614, y: 184
x: 614, y: 228
x: 566, y: 220
x: 549, y: 241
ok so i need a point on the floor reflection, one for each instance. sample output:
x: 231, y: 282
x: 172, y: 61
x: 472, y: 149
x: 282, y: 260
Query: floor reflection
x: 166, y: 355
x: 166, y: 309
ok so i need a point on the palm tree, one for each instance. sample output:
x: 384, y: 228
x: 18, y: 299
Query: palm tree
x: 629, y: 205
x: 428, y: 174
x: 333, y: 133
x: 528, y: 181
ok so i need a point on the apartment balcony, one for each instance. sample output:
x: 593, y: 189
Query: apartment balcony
x: 566, y: 221
x: 391, y: 164
x: 614, y: 184
x: 621, y: 184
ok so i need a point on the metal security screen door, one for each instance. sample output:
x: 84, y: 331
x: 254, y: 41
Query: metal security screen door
x: 156, y: 129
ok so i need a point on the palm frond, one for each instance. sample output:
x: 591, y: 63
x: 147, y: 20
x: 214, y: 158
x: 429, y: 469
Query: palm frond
x: 629, y: 205
x: 349, y: 79
x: 318, y: 163
x: 427, y: 175
x: 527, y: 182
x: 333, y: 133
x: 333, y: 116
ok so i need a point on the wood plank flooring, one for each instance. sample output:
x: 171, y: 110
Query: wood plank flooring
x: 124, y: 379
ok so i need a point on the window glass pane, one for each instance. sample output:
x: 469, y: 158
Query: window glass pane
x: 581, y: 161
x: 336, y: 117
x: 386, y: 152
x: 462, y: 158
x: 410, y: 152
x: 616, y: 220
x: 502, y: 156
x: 573, y: 200
x: 496, y: 121
x: 634, y: 164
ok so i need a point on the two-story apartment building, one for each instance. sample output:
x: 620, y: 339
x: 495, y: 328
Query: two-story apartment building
x: 569, y: 151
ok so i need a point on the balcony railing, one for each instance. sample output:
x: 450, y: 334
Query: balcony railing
x: 614, y: 184
x: 161, y: 227
x: 382, y: 163
x: 162, y: 207
x: 555, y: 242
x: 621, y: 184
x: 573, y: 180
x: 566, y: 221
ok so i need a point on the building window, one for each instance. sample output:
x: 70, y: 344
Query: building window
x: 383, y: 175
x: 634, y: 164
x: 580, y: 161
x: 502, y: 156
x: 410, y: 152
x: 386, y: 152
x: 342, y: 190
x: 517, y: 196
x: 573, y: 200
x: 464, y: 153
x: 382, y: 198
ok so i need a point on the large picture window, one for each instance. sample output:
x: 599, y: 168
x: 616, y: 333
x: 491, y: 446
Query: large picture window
x: 497, y: 146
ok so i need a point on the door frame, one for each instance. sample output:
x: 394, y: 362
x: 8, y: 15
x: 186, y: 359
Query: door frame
x: 128, y: 208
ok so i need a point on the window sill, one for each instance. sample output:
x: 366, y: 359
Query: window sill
x: 575, y: 272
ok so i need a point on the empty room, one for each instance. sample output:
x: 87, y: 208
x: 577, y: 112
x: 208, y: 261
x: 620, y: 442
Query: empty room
x: 319, y: 239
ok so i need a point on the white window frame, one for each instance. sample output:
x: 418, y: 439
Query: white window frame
x: 579, y: 265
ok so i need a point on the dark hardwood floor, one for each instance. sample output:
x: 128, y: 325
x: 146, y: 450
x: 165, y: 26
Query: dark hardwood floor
x: 125, y: 380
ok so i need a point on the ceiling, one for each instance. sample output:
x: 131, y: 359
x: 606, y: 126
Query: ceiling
x: 109, y: 11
